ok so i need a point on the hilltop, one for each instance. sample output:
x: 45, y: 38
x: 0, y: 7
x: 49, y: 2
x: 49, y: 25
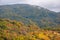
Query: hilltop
x: 24, y: 12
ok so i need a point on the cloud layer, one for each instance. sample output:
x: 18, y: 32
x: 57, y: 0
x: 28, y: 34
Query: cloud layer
x: 50, y: 4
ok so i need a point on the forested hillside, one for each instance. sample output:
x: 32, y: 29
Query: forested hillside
x: 24, y: 12
x: 15, y: 30
x: 28, y: 22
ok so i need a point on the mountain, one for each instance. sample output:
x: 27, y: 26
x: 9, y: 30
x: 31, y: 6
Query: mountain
x: 28, y: 22
x: 24, y: 12
x: 15, y: 30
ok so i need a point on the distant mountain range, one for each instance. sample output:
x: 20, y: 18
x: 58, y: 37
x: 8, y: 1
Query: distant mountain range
x: 24, y: 12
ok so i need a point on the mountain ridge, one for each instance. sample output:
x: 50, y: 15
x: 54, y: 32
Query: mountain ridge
x: 41, y: 16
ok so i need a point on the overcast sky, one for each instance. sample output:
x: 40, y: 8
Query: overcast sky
x: 50, y: 4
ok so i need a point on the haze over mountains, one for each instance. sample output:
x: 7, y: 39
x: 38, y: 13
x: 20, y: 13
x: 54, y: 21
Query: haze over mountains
x: 24, y: 12
x: 50, y: 4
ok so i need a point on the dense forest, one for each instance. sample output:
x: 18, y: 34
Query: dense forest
x: 25, y: 12
x: 28, y: 22
x: 14, y: 30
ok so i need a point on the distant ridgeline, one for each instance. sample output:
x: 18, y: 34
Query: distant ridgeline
x: 44, y: 18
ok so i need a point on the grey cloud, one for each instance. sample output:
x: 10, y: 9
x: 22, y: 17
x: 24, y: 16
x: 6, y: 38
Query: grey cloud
x: 2, y: 2
x: 49, y: 4
x: 54, y: 5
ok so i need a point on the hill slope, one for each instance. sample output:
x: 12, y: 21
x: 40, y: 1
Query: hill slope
x: 23, y: 12
x: 13, y: 30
